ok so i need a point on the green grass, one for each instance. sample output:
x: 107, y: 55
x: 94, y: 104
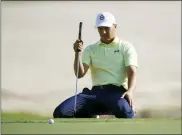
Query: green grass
x: 22, y: 123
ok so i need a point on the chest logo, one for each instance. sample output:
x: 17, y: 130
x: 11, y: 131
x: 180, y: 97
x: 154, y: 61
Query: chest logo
x: 116, y: 51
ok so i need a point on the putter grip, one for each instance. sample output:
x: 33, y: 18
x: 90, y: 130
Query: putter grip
x: 80, y: 33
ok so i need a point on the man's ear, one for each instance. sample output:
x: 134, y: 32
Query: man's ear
x: 115, y: 26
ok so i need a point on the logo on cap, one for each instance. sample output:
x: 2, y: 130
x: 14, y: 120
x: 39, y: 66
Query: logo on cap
x: 102, y: 17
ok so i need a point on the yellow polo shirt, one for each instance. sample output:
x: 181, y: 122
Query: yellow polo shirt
x: 107, y: 62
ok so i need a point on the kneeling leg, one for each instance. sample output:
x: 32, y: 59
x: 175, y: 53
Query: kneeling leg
x: 84, y: 105
x: 121, y: 109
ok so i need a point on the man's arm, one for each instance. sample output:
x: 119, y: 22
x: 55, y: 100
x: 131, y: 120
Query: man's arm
x: 84, y: 58
x: 131, y: 63
x: 83, y: 68
x: 131, y: 72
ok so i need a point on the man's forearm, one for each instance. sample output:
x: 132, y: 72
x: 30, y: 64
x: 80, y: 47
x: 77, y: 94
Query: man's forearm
x: 81, y: 68
x: 132, y: 81
x: 131, y: 72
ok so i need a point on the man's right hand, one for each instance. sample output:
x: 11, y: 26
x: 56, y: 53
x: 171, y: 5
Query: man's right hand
x: 78, y: 46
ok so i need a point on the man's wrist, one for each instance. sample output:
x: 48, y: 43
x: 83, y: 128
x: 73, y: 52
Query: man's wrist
x: 130, y: 90
x: 78, y: 53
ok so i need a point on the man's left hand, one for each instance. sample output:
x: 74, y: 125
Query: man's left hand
x: 129, y: 97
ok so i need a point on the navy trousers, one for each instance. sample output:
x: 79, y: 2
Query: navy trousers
x: 99, y: 100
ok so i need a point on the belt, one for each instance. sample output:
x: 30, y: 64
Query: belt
x: 108, y: 86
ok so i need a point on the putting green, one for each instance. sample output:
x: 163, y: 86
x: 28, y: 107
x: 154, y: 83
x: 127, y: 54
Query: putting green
x: 32, y: 124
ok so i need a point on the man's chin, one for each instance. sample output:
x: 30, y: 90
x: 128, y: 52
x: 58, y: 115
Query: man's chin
x: 106, y: 39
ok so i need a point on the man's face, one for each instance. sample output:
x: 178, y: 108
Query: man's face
x: 107, y: 33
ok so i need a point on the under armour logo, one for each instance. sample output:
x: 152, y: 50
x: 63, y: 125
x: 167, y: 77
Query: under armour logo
x: 116, y: 51
x: 102, y: 17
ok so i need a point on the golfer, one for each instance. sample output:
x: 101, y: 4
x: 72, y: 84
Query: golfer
x: 113, y: 65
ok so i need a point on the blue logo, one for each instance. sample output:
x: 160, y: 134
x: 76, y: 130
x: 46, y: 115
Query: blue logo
x: 102, y: 17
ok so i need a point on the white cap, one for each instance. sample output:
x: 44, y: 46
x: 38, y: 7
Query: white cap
x: 105, y: 19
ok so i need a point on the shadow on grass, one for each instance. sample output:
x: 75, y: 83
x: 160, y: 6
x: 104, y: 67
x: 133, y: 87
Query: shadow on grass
x: 159, y: 113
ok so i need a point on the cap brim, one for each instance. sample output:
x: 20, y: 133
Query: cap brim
x: 105, y: 24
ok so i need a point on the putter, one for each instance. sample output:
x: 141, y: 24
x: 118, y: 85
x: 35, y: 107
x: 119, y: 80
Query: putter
x: 79, y: 37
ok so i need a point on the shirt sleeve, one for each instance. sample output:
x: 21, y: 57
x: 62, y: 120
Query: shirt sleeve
x: 86, y: 58
x: 130, y: 56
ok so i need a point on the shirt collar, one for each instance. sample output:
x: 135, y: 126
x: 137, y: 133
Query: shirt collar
x: 114, y: 42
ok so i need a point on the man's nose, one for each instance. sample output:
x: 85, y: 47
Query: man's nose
x: 103, y: 31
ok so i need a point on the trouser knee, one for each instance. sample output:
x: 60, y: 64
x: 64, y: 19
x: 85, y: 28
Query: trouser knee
x: 56, y: 113
x: 60, y: 113
x: 125, y: 110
